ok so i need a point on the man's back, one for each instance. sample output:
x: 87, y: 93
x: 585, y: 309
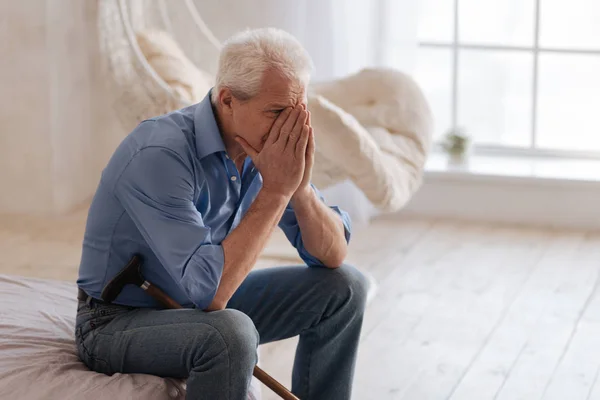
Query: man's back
x: 184, y: 147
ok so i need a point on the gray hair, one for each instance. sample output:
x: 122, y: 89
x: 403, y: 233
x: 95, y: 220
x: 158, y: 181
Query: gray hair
x: 247, y: 55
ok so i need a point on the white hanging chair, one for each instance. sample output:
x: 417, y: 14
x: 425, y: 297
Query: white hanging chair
x: 373, y: 127
x: 137, y: 91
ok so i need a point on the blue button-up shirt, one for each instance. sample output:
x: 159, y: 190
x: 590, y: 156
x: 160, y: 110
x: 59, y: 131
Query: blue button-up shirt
x: 171, y: 194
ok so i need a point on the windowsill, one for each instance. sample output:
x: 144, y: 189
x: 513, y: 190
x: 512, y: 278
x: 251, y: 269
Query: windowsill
x: 535, y: 191
x: 542, y: 170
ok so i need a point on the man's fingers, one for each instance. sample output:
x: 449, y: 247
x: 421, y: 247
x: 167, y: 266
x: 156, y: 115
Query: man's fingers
x: 288, y: 126
x: 276, y: 127
x: 247, y: 148
x: 308, y: 122
x: 301, y: 121
x: 310, y: 147
x: 302, y: 142
x: 298, y: 126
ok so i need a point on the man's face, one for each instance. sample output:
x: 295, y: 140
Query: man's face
x: 252, y: 119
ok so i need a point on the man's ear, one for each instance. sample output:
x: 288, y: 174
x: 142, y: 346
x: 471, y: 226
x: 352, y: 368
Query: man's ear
x: 226, y: 99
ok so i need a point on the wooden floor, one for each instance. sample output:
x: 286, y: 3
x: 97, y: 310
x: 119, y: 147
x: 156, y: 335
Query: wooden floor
x: 463, y: 311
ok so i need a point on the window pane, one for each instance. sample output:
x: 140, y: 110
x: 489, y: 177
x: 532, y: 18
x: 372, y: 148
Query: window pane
x: 436, y: 21
x: 434, y: 75
x: 494, y: 96
x: 497, y: 22
x: 571, y: 24
x: 569, y: 102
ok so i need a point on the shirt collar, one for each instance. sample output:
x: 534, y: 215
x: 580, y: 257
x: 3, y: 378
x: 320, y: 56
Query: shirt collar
x: 208, y: 136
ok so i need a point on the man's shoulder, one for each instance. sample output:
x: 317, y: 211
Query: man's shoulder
x: 150, y: 141
x: 174, y: 131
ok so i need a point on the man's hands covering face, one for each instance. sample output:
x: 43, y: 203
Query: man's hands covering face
x: 287, y: 157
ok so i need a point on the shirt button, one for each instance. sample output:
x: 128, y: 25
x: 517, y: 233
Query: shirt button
x: 233, y: 178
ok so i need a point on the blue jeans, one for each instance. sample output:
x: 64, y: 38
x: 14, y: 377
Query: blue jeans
x: 216, y: 351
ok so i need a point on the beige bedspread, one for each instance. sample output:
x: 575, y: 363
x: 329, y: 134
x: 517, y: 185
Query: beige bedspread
x: 38, y: 356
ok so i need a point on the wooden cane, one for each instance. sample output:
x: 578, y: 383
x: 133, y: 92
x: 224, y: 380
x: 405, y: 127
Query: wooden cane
x: 132, y: 274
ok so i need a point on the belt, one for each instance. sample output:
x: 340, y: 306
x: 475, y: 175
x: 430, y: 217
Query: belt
x: 83, y: 296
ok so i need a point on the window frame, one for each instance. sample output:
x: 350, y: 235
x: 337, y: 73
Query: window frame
x: 455, y: 46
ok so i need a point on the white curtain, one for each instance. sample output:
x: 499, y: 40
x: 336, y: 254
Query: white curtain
x: 342, y: 36
x: 365, y: 33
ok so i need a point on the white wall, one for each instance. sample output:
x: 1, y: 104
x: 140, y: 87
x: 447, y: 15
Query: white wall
x: 55, y: 128
x: 25, y: 161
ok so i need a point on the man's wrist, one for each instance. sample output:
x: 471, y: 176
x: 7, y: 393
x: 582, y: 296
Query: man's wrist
x: 277, y: 198
x: 302, y: 196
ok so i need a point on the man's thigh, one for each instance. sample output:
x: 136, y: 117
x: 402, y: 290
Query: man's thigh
x: 165, y: 343
x: 284, y: 301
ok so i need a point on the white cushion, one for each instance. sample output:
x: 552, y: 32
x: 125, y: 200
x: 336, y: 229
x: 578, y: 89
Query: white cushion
x: 373, y: 127
x: 188, y: 82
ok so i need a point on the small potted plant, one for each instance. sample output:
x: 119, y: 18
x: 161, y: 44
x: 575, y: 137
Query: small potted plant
x: 458, y: 146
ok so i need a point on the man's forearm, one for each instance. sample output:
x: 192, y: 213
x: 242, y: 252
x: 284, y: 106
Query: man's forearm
x: 321, y: 228
x: 243, y: 245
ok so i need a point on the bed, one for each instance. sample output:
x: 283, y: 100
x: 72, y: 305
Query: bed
x: 38, y: 356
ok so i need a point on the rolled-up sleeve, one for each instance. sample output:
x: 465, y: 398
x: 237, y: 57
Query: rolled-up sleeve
x: 289, y: 225
x: 156, y: 189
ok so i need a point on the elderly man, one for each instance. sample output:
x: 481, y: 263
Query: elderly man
x: 197, y: 193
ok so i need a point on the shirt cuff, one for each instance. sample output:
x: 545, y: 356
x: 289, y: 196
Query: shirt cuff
x: 346, y: 221
x: 202, y: 274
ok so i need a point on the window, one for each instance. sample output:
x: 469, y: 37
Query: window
x: 517, y: 75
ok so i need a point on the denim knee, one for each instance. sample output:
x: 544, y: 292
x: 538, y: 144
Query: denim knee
x: 351, y: 284
x: 238, y: 334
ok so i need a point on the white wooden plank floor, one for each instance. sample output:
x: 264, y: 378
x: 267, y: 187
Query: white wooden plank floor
x: 463, y: 311
x: 469, y: 311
